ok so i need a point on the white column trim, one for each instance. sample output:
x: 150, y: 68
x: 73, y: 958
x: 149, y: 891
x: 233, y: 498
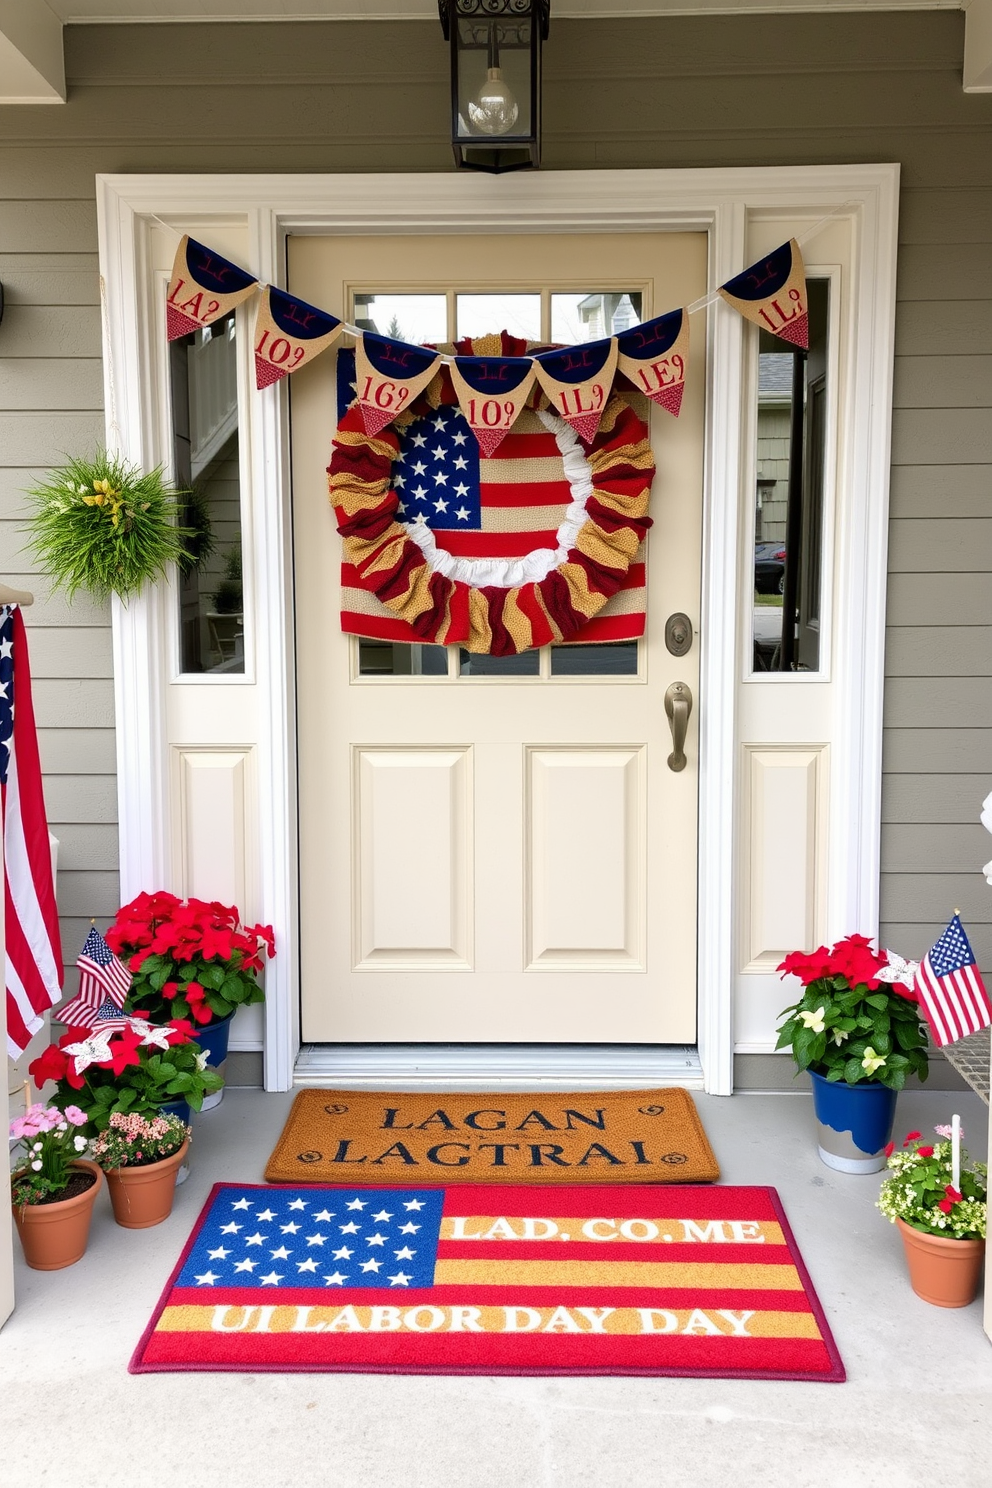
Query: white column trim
x: 717, y: 201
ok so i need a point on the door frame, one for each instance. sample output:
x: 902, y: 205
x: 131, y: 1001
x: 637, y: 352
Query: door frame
x: 718, y: 202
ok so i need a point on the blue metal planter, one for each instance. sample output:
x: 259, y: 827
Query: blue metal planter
x: 854, y: 1123
x: 213, y: 1039
x: 181, y: 1109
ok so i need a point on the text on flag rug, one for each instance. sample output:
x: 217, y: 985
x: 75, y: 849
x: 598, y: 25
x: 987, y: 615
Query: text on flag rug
x: 492, y: 1280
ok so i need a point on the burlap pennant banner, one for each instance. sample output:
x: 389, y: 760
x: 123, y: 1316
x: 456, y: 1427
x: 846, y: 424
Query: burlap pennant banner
x: 772, y: 293
x: 204, y: 286
x: 389, y: 375
x: 289, y: 332
x: 578, y: 380
x: 655, y: 356
x: 491, y: 392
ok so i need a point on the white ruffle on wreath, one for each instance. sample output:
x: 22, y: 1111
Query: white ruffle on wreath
x: 511, y: 573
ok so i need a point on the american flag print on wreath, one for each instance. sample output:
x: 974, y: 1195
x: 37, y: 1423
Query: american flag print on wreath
x: 539, y: 543
x: 949, y: 987
x: 492, y: 1280
x: 34, y: 950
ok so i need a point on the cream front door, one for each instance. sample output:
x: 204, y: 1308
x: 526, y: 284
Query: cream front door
x: 496, y: 851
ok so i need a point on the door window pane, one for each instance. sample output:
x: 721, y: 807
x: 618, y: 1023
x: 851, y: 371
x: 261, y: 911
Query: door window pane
x: 481, y: 314
x: 204, y: 378
x: 397, y: 659
x: 415, y: 318
x: 611, y: 659
x: 527, y: 664
x: 788, y: 522
x: 588, y: 317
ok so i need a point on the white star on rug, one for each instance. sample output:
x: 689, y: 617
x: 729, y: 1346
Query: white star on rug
x: 323, y: 1215
x: 400, y: 1279
x: 298, y: 1204
x: 349, y: 1229
x: 336, y: 1280
x: 207, y: 1279
x: 289, y: 1229
x: 265, y: 1215
x: 220, y: 1254
x: 308, y: 1265
x: 371, y: 1265
x: 413, y: 1204
x: 406, y: 1254
x: 230, y: 1229
x: 409, y: 1229
x: 384, y: 1216
x: 376, y: 1240
x: 282, y: 1254
x: 344, y: 1254
x: 271, y: 1280
x: 245, y: 1265
x: 241, y: 1204
x: 256, y: 1239
x: 356, y: 1204
x: 316, y: 1239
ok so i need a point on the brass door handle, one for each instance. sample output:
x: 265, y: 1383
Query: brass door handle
x: 678, y: 706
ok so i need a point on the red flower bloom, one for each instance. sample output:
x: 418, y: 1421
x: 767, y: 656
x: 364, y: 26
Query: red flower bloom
x: 890, y: 1148
x: 51, y: 1065
x: 138, y: 960
x: 946, y: 1205
x: 925, y: 1151
x: 911, y: 1137
x: 953, y: 1194
x: 196, y: 997
x: 123, y: 1050
x: 183, y: 1031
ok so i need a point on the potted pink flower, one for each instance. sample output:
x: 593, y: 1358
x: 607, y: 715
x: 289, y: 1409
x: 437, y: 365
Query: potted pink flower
x: 141, y: 1156
x: 53, y: 1187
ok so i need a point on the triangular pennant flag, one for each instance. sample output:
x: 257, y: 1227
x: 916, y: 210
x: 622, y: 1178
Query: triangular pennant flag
x: 289, y: 332
x: 491, y: 392
x: 203, y: 287
x: 655, y: 357
x: 390, y: 374
x: 772, y: 293
x: 578, y: 380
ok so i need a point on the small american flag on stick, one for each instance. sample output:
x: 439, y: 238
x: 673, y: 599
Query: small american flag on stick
x: 103, y: 985
x: 950, y: 988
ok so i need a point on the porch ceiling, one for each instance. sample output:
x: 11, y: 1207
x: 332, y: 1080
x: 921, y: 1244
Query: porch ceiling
x: 32, y: 71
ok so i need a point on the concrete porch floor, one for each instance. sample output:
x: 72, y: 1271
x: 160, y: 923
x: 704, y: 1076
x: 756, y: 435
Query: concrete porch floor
x: 914, y: 1413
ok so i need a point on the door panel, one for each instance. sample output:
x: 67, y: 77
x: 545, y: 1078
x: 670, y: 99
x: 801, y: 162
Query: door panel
x: 496, y: 852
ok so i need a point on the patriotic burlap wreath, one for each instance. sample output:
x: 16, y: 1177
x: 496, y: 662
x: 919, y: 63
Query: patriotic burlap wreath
x: 497, y: 607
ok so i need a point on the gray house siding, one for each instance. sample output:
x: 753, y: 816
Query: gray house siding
x: 679, y: 92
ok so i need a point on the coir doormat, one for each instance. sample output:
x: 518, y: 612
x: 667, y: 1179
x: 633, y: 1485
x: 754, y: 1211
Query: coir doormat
x: 629, y: 1136
x: 492, y: 1280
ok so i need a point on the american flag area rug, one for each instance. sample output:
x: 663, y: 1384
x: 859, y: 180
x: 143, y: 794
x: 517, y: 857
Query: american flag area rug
x: 479, y: 1279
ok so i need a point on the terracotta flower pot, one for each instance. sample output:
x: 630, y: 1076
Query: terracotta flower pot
x: 142, y: 1196
x: 943, y: 1271
x: 55, y: 1235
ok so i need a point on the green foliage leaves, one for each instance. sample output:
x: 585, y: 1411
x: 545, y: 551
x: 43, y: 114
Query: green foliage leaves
x: 105, y: 526
x: 855, y: 1020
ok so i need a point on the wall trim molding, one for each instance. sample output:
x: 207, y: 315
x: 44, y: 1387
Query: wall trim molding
x: 716, y: 201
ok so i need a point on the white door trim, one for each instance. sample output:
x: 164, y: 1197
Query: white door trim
x: 717, y: 201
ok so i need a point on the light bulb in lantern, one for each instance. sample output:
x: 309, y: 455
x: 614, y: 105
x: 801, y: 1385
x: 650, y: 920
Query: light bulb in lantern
x: 494, y: 109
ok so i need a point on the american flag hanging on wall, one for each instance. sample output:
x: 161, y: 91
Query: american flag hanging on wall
x: 31, y: 926
x: 486, y: 538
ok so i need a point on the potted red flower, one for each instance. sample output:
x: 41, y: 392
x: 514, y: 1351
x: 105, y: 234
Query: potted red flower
x: 137, y: 1066
x: 857, y: 1030
x: 191, y: 960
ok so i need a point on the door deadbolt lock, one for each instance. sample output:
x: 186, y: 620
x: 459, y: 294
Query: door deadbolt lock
x: 678, y: 706
x: 678, y: 634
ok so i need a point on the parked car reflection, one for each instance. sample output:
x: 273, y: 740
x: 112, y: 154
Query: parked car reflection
x: 769, y: 568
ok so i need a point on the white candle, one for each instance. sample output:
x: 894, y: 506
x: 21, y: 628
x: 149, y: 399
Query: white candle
x: 956, y: 1152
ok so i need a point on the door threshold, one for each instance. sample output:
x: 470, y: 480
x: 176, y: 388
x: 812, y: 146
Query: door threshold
x: 453, y: 1067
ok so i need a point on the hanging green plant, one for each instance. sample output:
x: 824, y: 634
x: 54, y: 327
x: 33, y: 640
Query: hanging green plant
x: 106, y: 526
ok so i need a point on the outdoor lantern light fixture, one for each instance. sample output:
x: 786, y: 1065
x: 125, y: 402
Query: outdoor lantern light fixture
x: 496, y: 81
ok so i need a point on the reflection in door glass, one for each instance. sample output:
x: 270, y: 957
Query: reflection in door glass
x: 612, y: 659
x: 415, y: 318
x: 397, y: 659
x: 482, y: 314
x: 203, y: 372
x: 788, y: 522
x: 527, y: 664
x: 587, y: 317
